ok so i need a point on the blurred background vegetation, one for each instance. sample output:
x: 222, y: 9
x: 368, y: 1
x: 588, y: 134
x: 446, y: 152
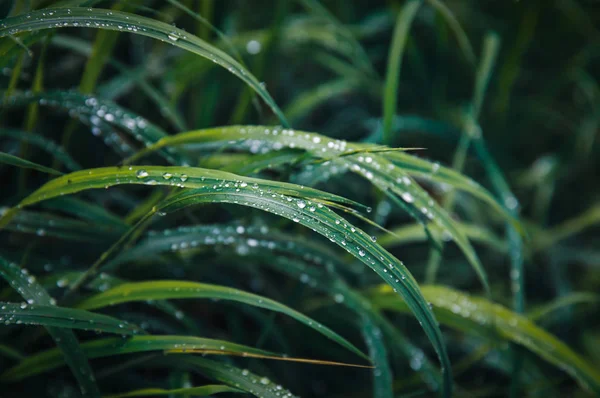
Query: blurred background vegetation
x: 505, y: 92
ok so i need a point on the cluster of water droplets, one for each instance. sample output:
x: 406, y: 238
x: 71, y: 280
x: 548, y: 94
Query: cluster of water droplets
x: 256, y: 385
x: 103, y: 117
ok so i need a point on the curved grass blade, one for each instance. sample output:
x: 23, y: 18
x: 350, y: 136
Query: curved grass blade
x: 461, y: 36
x: 108, y: 347
x: 561, y: 302
x: 48, y: 315
x: 274, y: 139
x: 246, y: 239
x: 168, y: 290
x: 358, y: 53
x: 123, y: 21
x: 86, y: 211
x: 374, y: 167
x: 490, y: 320
x: 10, y: 352
x: 182, y: 177
x: 68, y: 349
x: 26, y: 164
x: 101, y: 115
x: 399, y: 38
x: 355, y: 241
x: 122, y: 83
x: 188, y: 391
x: 43, y: 143
x: 239, y: 378
x: 415, y: 233
x: 43, y: 224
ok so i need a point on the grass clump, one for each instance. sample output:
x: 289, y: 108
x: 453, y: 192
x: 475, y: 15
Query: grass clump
x: 196, y: 195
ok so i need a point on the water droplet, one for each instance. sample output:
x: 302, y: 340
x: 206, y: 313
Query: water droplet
x: 301, y: 204
x: 141, y: 173
x: 408, y: 198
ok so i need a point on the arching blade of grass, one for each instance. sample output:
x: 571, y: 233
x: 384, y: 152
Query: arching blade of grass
x: 238, y: 378
x: 48, y: 315
x: 122, y: 21
x: 323, y: 147
x: 108, y: 347
x: 325, y: 222
x: 26, y: 164
x: 86, y: 211
x: 166, y: 290
x: 562, y: 302
x: 45, y: 224
x: 359, y: 56
x: 305, y: 207
x: 244, y: 238
x: 126, y: 80
x: 44, y: 144
x: 188, y: 391
x: 415, y: 233
x: 182, y: 177
x: 478, y: 315
x: 400, y: 36
x: 461, y: 36
x: 359, y: 159
x: 69, y: 349
x: 98, y: 113
x: 10, y: 352
x: 372, y: 322
x: 307, y: 101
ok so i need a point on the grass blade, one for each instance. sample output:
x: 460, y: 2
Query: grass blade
x: 69, y: 349
x: 101, y: 348
x: 242, y: 379
x: 399, y: 38
x: 26, y: 164
x: 166, y: 290
x: 478, y: 315
x: 188, y: 391
x: 48, y: 315
x: 123, y: 21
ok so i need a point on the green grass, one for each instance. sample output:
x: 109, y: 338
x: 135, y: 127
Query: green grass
x: 303, y: 198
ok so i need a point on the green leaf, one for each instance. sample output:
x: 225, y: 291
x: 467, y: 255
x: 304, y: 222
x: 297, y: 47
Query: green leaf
x: 26, y: 164
x: 399, y: 38
x: 43, y: 143
x: 101, y: 348
x: 361, y: 159
x: 102, y: 116
x: 188, y: 391
x: 49, y: 315
x: 69, y: 349
x: 239, y: 378
x: 123, y: 21
x: 477, y: 315
x: 165, y: 290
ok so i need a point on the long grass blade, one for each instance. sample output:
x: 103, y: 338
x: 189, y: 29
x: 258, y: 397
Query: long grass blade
x: 489, y: 320
x: 164, y: 290
x: 123, y: 21
x: 69, y: 349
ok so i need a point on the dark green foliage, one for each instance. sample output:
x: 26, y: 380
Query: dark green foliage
x: 215, y: 181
